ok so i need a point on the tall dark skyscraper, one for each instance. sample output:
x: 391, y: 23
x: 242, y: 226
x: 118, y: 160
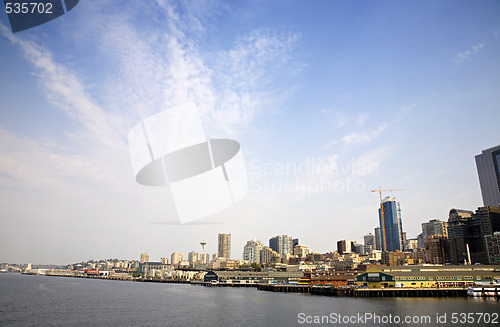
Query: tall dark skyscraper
x: 488, y: 169
x: 472, y: 230
x: 378, y: 239
x: 283, y: 244
x: 391, y: 227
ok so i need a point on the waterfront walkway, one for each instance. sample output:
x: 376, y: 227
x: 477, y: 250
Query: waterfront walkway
x: 312, y: 289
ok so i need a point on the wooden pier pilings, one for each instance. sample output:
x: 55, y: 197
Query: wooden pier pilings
x: 356, y: 292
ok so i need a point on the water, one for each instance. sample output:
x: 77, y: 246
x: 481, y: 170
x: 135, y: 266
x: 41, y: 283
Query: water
x: 58, y: 301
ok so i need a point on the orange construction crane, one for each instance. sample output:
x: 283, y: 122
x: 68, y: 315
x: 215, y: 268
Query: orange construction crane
x: 382, y: 212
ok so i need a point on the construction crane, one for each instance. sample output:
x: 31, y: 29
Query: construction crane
x: 380, y: 190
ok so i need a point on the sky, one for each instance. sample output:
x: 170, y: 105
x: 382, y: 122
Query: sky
x: 328, y: 100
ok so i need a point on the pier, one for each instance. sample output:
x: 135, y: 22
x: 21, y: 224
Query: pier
x: 375, y: 292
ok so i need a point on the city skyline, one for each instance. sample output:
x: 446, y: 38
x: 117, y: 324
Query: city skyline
x: 328, y: 100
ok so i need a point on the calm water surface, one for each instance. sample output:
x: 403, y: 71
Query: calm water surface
x: 58, y: 301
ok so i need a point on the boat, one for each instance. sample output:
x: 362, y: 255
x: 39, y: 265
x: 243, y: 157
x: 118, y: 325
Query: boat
x: 485, y: 289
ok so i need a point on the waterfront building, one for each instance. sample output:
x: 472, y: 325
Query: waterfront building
x: 295, y: 242
x: 427, y: 276
x: 488, y: 170
x: 337, y: 278
x: 252, y: 251
x: 144, y: 257
x: 437, y: 249
x: 391, y: 228
x: 153, y: 269
x: 253, y: 277
x: 493, y: 248
x: 283, y: 244
x: 224, y: 249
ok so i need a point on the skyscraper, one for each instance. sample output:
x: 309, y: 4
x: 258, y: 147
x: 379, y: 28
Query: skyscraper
x: 434, y: 227
x: 192, y: 258
x: 224, y: 250
x: 344, y: 246
x: 176, y: 258
x: 488, y: 169
x: 283, y: 244
x: 369, y: 239
x: 251, y: 251
x: 378, y: 239
x: 391, y: 228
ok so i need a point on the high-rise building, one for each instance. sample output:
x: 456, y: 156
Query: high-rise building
x: 301, y: 250
x: 344, y: 246
x: 224, y: 246
x: 465, y: 232
x: 176, y: 258
x: 283, y: 244
x: 493, y: 248
x: 268, y: 255
x: 437, y: 249
x: 434, y: 227
x: 144, y: 257
x: 251, y: 251
x: 204, y: 258
x: 488, y: 170
x: 369, y: 239
x: 358, y: 248
x: 192, y: 258
x: 411, y: 245
x: 378, y: 239
x: 490, y: 219
x: 391, y: 228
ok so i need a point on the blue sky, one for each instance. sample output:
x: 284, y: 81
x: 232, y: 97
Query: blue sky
x: 351, y: 94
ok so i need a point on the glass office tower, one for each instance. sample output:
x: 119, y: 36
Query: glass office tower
x: 488, y: 169
x: 391, y: 227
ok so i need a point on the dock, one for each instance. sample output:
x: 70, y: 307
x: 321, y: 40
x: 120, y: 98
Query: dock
x: 360, y: 292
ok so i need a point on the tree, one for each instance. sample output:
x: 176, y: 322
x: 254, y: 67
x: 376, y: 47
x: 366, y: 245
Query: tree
x: 255, y: 266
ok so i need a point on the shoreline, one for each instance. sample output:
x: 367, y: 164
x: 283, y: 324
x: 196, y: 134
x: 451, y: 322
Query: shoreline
x: 310, y: 289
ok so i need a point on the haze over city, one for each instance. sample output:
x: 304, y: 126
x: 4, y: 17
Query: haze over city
x: 328, y: 100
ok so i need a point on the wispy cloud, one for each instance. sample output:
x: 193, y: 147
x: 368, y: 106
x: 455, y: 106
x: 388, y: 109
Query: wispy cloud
x: 147, y: 70
x: 339, y: 118
x: 462, y: 56
x: 354, y: 138
x: 367, y: 135
x: 154, y: 70
x: 65, y: 91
